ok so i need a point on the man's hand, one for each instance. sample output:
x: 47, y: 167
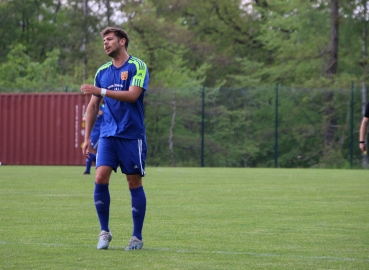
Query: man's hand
x: 362, y: 147
x: 90, y: 89
x: 85, y: 149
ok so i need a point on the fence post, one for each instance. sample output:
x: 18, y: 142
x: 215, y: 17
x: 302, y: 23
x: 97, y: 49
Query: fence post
x: 202, y: 126
x: 352, y: 124
x: 276, y: 128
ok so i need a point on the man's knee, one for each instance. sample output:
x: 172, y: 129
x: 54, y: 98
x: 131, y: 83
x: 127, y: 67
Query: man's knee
x: 134, y: 181
x: 103, y: 175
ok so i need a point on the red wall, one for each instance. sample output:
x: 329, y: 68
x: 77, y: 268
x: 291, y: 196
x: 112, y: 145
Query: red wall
x: 42, y: 128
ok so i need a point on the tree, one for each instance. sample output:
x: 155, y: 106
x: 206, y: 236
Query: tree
x: 20, y: 73
x: 30, y: 23
x: 335, y: 22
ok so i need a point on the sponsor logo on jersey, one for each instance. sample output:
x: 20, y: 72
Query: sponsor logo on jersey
x: 124, y: 75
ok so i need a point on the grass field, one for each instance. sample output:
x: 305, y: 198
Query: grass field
x: 197, y: 218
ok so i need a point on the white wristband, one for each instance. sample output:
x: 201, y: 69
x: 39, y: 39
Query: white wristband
x: 103, y: 92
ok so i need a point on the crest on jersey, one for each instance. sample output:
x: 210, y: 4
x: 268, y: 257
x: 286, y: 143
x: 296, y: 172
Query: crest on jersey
x: 124, y: 75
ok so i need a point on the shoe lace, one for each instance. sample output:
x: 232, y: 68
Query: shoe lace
x: 104, y: 236
x: 133, y: 240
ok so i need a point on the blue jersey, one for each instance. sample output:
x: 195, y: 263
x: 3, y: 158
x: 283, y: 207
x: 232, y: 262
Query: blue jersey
x: 123, y: 119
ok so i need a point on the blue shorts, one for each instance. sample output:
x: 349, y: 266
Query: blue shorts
x: 128, y: 154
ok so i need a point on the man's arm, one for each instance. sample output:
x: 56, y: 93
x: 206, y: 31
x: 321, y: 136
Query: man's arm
x: 91, y: 115
x: 126, y: 96
x: 363, y: 129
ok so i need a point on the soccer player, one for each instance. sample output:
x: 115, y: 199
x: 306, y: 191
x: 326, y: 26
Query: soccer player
x: 363, y: 129
x: 94, y: 139
x: 122, y: 83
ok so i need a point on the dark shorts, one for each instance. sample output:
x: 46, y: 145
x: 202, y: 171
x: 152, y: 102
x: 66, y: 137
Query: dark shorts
x: 128, y: 154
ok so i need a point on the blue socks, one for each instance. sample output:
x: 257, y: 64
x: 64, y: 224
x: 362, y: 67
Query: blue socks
x: 89, y: 160
x: 102, y: 204
x: 138, y: 198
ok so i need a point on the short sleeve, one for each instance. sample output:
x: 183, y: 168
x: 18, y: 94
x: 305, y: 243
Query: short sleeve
x: 366, y: 114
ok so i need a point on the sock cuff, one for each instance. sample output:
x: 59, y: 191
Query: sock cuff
x: 136, y: 190
x: 99, y: 188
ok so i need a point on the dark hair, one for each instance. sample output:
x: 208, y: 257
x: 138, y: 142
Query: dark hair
x: 119, y: 33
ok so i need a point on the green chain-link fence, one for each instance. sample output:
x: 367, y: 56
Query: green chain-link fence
x: 254, y: 127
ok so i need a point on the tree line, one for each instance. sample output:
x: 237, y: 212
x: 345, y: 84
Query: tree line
x: 229, y: 43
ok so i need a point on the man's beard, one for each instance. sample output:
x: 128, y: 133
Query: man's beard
x: 114, y: 53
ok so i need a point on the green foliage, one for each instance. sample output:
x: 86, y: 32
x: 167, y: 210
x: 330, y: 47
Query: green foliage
x: 252, y: 74
x: 31, y: 23
x: 20, y: 73
x: 241, y: 45
x: 297, y: 35
x: 177, y: 75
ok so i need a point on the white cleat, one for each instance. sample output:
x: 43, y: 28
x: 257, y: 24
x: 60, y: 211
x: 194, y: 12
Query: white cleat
x: 104, y: 239
x: 135, y: 243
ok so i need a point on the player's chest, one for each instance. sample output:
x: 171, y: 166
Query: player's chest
x: 115, y: 80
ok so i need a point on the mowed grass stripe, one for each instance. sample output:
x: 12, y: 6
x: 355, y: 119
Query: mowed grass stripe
x: 196, y: 218
x: 112, y: 247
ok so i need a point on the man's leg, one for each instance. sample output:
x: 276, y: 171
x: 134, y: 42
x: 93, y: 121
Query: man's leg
x: 102, y: 204
x: 138, y: 200
x: 89, y: 161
